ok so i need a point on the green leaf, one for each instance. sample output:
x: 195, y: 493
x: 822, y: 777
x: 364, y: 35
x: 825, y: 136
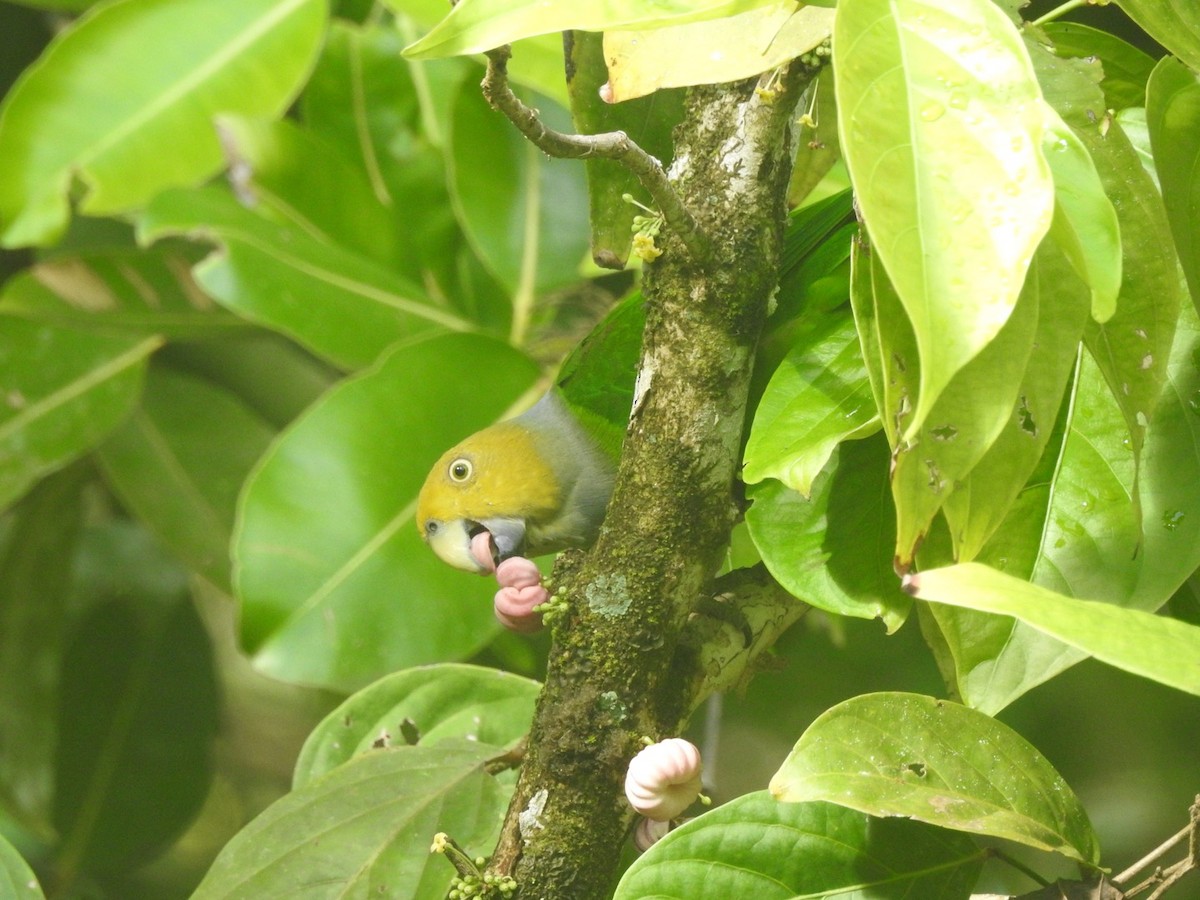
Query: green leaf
x: 325, y: 532
x: 365, y: 829
x: 941, y: 123
x: 1137, y: 129
x: 17, y: 881
x: 755, y: 846
x: 179, y: 462
x: 194, y: 58
x: 291, y: 176
x: 597, y: 377
x: 1173, y: 23
x: 895, y: 754
x: 1156, y: 647
x: 1170, y: 476
x: 524, y: 214
x: 963, y: 423
x: 1133, y: 345
x: 1085, y: 223
x: 885, y: 335
x: 818, y: 148
x: 337, y: 303
x: 145, y: 291
x: 1073, y: 530
x: 712, y: 51
x: 63, y: 5
x: 648, y: 121
x: 816, y: 245
x: 1126, y: 68
x: 474, y: 26
x: 361, y: 99
x: 33, y: 604
x: 271, y: 375
x: 818, y: 397
x: 65, y: 390
x: 392, y: 117
x: 833, y: 550
x: 979, y: 505
x: 1173, y: 116
x: 141, y: 720
x: 814, y: 281
x: 434, y: 704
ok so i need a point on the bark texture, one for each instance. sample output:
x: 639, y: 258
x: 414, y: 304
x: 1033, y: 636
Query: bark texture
x: 626, y: 663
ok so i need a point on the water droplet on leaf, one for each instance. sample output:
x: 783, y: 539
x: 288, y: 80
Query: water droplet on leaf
x: 1171, y: 519
x: 932, y: 111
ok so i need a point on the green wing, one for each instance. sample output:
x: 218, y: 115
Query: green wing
x: 596, y: 380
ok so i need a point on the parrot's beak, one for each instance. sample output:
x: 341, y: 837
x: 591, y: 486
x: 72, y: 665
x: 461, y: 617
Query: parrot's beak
x: 452, y: 542
x: 476, y: 546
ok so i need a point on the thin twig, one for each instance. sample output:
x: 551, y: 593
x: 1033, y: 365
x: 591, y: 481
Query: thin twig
x: 614, y: 145
x: 1163, y: 879
x: 1058, y: 11
x: 509, y: 759
x: 1153, y: 855
x: 1019, y: 866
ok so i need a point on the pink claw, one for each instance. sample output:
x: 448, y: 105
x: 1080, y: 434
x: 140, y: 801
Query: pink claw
x: 520, y: 591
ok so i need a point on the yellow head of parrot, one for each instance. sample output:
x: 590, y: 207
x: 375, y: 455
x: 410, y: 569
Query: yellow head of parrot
x: 497, y: 481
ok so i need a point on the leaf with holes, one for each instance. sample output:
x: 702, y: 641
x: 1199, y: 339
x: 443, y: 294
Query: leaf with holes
x: 894, y: 754
x: 1126, y: 68
x: 941, y: 122
x: 979, y: 505
x: 427, y: 705
x: 1132, y: 346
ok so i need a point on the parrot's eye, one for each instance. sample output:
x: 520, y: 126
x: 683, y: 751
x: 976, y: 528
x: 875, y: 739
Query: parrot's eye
x: 431, y: 527
x: 460, y: 470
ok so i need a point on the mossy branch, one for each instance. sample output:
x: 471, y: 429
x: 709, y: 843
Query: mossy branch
x: 614, y: 145
x: 633, y: 648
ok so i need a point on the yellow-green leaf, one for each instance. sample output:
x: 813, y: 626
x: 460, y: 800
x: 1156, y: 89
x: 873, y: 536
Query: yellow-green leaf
x: 941, y: 124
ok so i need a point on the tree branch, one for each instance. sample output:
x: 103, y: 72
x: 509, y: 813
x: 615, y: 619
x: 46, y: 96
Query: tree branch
x: 630, y: 657
x: 614, y: 145
x: 722, y: 640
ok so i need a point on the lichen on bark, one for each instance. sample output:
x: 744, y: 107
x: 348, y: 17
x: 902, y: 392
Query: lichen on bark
x: 618, y: 668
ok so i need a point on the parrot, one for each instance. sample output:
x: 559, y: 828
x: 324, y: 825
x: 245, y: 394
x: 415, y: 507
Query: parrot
x: 527, y: 486
x: 540, y: 483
